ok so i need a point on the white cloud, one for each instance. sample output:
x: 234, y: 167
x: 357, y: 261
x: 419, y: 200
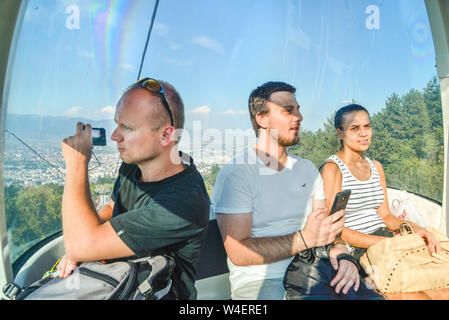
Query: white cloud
x: 208, y: 43
x: 161, y: 29
x: 127, y: 67
x: 74, y: 110
x: 174, y: 46
x: 107, y: 109
x: 235, y: 112
x: 201, y: 110
x: 178, y: 62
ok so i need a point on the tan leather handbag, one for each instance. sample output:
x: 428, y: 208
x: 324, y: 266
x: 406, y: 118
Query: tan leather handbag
x: 403, y: 263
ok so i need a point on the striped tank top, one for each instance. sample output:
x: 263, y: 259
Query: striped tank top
x: 366, y: 196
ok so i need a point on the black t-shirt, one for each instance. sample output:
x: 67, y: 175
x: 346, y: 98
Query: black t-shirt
x: 168, y: 216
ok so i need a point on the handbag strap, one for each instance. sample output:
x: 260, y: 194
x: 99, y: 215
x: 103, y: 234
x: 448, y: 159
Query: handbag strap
x: 406, y: 228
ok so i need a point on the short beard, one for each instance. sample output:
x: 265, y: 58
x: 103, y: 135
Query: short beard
x: 288, y: 143
x: 282, y: 142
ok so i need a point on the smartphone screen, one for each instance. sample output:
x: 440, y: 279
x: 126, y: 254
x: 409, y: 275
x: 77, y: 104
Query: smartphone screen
x: 98, y: 136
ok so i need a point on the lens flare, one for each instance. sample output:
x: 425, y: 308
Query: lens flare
x: 420, y: 37
x: 111, y: 22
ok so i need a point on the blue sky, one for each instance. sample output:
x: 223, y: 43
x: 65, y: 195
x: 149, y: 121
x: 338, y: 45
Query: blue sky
x: 215, y: 52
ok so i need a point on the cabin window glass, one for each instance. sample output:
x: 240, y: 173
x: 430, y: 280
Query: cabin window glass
x: 75, y: 58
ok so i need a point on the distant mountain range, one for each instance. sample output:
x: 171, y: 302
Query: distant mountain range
x: 38, y: 129
x: 50, y: 128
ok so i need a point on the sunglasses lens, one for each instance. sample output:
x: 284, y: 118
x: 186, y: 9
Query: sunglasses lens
x: 155, y: 86
x: 152, y: 85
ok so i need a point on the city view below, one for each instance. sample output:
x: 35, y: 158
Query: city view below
x: 24, y: 167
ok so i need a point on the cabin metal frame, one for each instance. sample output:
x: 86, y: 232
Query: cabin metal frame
x: 11, y: 18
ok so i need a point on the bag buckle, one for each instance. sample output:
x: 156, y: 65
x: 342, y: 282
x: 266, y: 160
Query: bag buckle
x: 158, y: 283
x: 406, y: 228
x: 10, y: 290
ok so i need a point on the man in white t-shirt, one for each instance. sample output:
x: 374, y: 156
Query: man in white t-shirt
x: 270, y: 205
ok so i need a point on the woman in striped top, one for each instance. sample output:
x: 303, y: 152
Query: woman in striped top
x: 367, y: 216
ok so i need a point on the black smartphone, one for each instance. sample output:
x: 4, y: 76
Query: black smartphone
x: 98, y: 136
x: 340, y: 201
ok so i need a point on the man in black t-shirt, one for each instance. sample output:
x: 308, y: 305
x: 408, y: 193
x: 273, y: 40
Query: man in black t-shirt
x: 159, y: 203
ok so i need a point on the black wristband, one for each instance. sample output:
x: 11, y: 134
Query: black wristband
x: 322, y: 252
x: 307, y: 256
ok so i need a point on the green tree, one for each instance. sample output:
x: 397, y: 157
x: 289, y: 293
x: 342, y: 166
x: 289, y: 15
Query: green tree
x: 210, y: 177
x: 11, y: 193
x: 317, y: 146
x: 39, y: 213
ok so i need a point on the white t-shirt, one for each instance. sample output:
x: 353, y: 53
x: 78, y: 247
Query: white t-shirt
x: 280, y: 203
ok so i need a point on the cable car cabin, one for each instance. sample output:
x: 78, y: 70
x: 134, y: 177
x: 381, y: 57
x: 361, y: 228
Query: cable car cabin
x: 63, y: 62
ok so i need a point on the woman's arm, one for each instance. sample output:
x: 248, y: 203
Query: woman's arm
x: 359, y: 239
x: 332, y: 180
x: 393, y: 223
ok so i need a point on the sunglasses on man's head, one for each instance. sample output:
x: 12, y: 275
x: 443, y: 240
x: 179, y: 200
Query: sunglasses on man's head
x: 154, y: 86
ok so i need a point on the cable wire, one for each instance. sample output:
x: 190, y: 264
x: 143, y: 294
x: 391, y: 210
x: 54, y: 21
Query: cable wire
x: 148, y: 39
x: 37, y: 153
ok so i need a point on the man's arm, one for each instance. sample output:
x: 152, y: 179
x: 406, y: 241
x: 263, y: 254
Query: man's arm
x: 243, y: 250
x: 86, y: 237
x: 66, y: 266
